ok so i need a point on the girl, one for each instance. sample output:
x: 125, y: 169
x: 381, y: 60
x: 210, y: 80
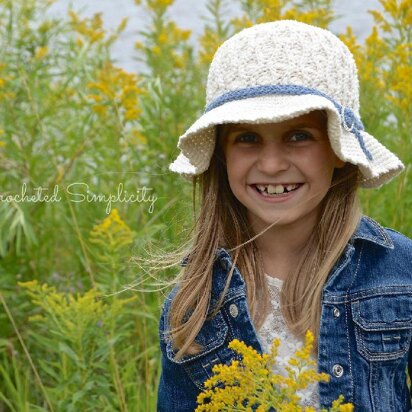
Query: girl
x: 279, y: 245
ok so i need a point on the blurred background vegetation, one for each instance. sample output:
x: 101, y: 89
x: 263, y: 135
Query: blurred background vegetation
x: 68, y: 340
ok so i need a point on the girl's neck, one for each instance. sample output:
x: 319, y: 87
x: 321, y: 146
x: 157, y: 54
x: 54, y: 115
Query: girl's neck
x: 281, y: 247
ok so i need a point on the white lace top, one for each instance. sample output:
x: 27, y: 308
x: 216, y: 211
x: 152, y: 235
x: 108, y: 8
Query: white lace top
x: 275, y: 327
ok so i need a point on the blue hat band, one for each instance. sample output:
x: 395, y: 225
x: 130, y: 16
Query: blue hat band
x: 349, y: 120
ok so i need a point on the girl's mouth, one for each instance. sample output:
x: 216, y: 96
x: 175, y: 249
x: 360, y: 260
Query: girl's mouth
x: 277, y: 189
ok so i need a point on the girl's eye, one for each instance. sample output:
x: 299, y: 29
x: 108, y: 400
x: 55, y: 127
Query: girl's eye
x: 300, y: 136
x: 246, y: 138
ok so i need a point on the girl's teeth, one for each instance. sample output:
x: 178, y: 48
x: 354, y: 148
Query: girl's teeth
x: 261, y: 187
x: 277, y: 189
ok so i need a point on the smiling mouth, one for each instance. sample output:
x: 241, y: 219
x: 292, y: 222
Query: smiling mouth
x: 276, y: 190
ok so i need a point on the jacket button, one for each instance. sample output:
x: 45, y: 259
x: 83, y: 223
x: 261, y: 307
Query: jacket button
x: 233, y: 310
x: 337, y: 370
x: 336, y: 312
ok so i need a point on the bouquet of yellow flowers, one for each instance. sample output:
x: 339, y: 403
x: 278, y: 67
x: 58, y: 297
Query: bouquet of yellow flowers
x: 251, y: 385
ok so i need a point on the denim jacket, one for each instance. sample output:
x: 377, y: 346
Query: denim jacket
x: 365, y: 328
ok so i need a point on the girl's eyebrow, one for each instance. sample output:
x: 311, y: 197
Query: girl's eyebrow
x: 236, y: 128
x: 309, y: 124
x: 306, y: 124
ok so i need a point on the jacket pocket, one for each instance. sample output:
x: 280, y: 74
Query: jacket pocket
x: 213, y: 339
x: 383, y: 326
x: 211, y: 336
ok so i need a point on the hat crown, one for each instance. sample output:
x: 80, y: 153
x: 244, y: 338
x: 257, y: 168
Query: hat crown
x: 285, y: 52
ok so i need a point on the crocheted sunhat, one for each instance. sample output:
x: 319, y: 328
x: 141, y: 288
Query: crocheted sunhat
x: 275, y: 71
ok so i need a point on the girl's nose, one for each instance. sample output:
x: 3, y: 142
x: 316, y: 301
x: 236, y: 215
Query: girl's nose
x: 273, y: 159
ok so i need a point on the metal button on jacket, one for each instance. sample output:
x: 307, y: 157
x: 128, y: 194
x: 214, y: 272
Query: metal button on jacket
x: 336, y: 312
x: 337, y: 370
x: 234, y: 311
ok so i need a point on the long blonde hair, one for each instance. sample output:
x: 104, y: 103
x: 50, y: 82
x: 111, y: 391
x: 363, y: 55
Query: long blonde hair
x: 222, y: 222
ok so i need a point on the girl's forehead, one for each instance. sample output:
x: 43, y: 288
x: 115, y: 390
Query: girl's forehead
x: 317, y: 119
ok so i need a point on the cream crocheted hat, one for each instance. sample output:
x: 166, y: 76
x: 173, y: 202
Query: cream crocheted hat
x: 275, y: 71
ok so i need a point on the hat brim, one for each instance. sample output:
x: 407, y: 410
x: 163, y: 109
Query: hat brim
x: 198, y: 142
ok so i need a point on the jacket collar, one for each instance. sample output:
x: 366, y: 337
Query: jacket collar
x: 371, y: 231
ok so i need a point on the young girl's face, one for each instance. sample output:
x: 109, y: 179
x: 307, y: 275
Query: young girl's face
x: 280, y: 171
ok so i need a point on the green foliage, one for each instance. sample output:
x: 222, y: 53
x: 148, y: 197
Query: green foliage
x: 73, y: 125
x: 79, y: 337
x: 385, y: 69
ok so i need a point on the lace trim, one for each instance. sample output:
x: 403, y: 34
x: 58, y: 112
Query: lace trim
x: 273, y: 327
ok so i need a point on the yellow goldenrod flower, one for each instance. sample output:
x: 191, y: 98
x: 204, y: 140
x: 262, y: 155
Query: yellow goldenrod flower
x: 116, y: 88
x: 251, y: 381
x: 379, y: 19
x: 41, y: 52
x: 209, y: 42
x: 179, y: 34
x: 112, y: 235
x: 162, y: 38
x: 272, y: 10
x: 157, y: 50
x: 91, y: 29
x: 351, y: 42
x: 73, y: 315
x: 30, y: 284
x: 240, y: 23
x: 135, y: 137
x: 159, y: 5
x: 131, y: 114
x: 348, y: 407
x: 79, y: 42
x: 139, y: 45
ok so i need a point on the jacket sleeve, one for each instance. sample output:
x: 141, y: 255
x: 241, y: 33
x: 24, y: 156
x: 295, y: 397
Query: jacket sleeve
x: 177, y: 392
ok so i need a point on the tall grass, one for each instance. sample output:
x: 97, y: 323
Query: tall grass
x: 71, y: 119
